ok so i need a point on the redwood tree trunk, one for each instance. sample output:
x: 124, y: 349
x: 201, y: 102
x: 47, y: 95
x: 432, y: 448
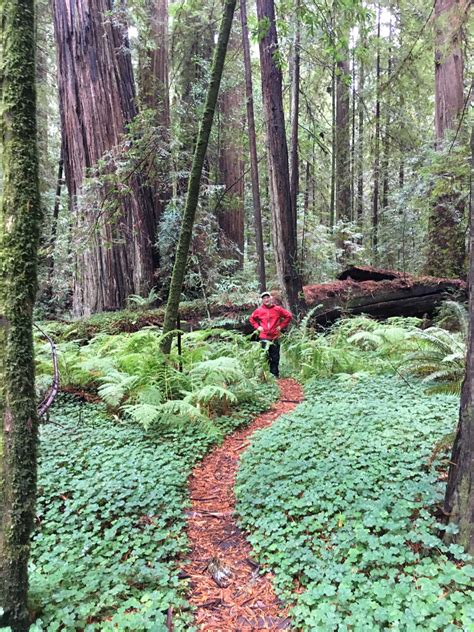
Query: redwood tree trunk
x: 446, y: 254
x: 231, y: 168
x: 295, y: 110
x: 257, y: 211
x: 459, y: 499
x: 343, y: 140
x: 376, y: 193
x: 20, y: 217
x: 154, y: 92
x: 360, y: 141
x: 282, y: 214
x: 97, y: 101
x: 182, y: 252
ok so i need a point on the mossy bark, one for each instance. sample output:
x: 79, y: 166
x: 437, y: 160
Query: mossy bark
x: 459, y: 499
x: 192, y: 197
x: 446, y: 255
x: 20, y: 220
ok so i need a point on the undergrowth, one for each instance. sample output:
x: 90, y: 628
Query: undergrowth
x: 340, y: 499
x: 110, y: 517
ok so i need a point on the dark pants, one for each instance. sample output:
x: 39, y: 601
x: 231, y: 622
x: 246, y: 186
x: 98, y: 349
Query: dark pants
x: 273, y: 351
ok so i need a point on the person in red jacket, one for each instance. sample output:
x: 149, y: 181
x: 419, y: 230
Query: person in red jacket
x: 269, y: 320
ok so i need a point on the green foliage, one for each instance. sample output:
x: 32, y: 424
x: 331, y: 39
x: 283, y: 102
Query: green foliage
x: 216, y: 371
x: 439, y: 359
x: 134, y: 301
x: 339, y: 498
x: 351, y: 346
x: 110, y: 517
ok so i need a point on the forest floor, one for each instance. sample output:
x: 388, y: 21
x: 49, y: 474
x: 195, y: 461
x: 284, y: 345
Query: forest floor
x: 226, y: 586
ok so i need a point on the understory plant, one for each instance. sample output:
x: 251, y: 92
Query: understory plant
x: 214, y: 372
x: 341, y: 499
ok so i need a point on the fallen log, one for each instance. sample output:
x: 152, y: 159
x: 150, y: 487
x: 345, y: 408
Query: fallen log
x: 399, y: 296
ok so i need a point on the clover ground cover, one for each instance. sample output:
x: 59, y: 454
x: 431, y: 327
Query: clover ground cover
x: 339, y: 501
x: 110, y: 519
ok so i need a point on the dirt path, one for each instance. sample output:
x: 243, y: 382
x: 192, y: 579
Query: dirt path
x: 245, y: 600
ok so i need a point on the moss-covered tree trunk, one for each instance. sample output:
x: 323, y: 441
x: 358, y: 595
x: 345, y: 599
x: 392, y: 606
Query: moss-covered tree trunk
x: 459, y: 499
x: 446, y: 251
x: 185, y: 235
x: 19, y: 226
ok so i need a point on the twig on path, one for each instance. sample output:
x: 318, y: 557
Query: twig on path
x: 169, y: 619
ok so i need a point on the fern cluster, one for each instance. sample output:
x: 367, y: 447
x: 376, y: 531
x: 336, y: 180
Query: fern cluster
x: 216, y: 371
x: 360, y: 345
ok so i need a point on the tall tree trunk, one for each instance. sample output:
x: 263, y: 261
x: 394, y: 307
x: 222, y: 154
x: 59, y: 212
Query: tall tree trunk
x: 179, y: 268
x: 19, y: 233
x: 459, y: 499
x: 375, y: 194
x: 332, y: 210
x: 386, y: 141
x: 282, y: 213
x: 294, y: 122
x: 97, y: 101
x: 360, y: 141
x: 343, y: 138
x: 446, y: 253
x: 154, y: 91
x: 257, y: 211
x: 191, y: 50
x: 54, y: 225
x: 353, y: 135
x: 231, y: 167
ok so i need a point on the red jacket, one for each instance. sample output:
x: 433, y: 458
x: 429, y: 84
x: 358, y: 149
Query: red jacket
x: 272, y: 319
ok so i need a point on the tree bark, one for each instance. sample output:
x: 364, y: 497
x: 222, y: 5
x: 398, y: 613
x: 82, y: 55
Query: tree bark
x: 231, y: 168
x: 446, y: 253
x: 179, y: 269
x: 343, y: 139
x: 360, y: 141
x: 459, y: 499
x: 257, y: 210
x: 282, y: 214
x: 19, y: 234
x: 294, y: 122
x: 375, y: 194
x: 97, y: 101
x: 154, y: 91
x: 332, y: 209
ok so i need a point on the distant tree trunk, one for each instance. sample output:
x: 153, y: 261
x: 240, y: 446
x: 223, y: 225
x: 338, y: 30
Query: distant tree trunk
x: 20, y: 217
x: 257, y: 212
x: 353, y: 134
x: 231, y: 167
x: 375, y: 198
x: 282, y: 214
x: 182, y: 252
x: 294, y: 122
x: 54, y: 224
x: 360, y: 142
x: 446, y: 254
x: 459, y: 499
x: 154, y: 90
x: 191, y: 50
x: 95, y: 109
x: 343, y: 139
x: 386, y: 141
x: 332, y: 210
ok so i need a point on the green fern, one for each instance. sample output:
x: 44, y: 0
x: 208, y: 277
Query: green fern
x: 116, y: 386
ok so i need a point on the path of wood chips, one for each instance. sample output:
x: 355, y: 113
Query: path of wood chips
x: 245, y: 601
